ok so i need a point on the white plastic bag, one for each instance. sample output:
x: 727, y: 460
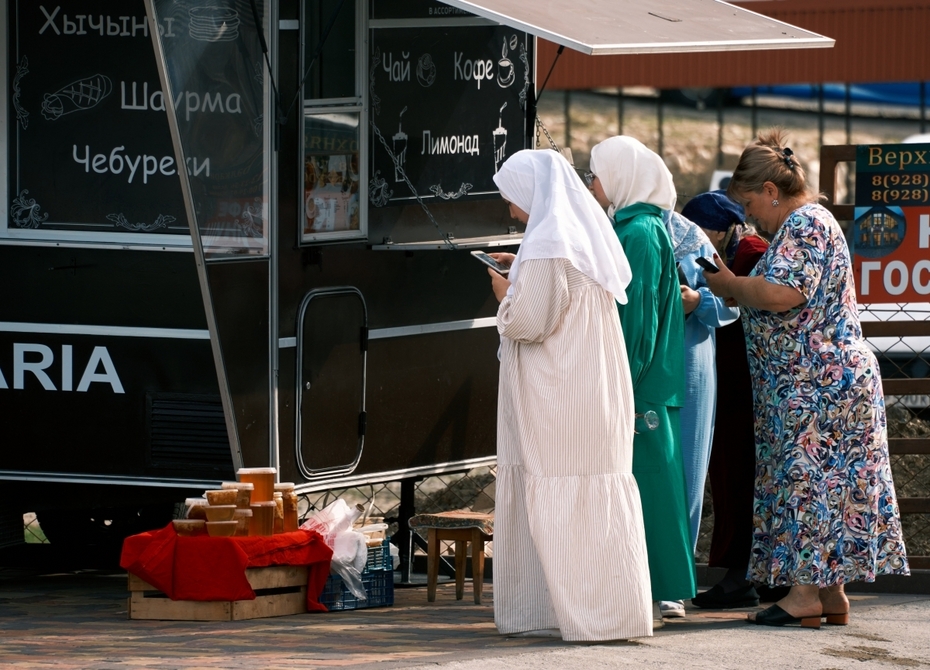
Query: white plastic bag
x: 350, y: 551
x: 333, y: 519
x: 351, y: 548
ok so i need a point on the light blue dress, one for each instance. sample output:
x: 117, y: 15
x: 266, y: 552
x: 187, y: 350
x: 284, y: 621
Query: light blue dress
x: 697, y: 415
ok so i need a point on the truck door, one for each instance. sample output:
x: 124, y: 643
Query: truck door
x: 332, y: 343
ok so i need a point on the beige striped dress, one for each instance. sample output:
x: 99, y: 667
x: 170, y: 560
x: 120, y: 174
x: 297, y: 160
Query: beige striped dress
x: 569, y: 543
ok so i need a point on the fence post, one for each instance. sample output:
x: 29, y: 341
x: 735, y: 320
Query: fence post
x: 404, y: 537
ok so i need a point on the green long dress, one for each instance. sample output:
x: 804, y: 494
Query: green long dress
x: 653, y: 327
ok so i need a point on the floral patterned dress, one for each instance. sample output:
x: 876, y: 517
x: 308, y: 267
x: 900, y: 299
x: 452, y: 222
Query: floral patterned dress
x: 825, y: 511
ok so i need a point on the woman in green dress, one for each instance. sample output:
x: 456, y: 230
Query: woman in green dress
x: 636, y: 186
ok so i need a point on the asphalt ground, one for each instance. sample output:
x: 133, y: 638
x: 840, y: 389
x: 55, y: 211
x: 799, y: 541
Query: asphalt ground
x: 79, y: 619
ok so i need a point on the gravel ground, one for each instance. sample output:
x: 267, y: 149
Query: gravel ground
x: 880, y: 637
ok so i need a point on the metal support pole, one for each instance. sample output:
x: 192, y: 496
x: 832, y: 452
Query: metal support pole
x: 660, y: 114
x: 660, y: 118
x: 923, y: 107
x: 620, y: 111
x: 848, y: 115
x: 820, y: 118
x: 720, y: 93
x: 568, y: 119
x: 848, y: 138
x: 403, y: 536
x: 754, y: 113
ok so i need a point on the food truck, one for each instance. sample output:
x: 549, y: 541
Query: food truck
x: 238, y: 233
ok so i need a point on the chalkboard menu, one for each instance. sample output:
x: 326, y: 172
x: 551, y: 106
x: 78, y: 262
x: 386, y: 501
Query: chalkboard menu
x: 216, y: 71
x: 447, y: 107
x: 90, y: 149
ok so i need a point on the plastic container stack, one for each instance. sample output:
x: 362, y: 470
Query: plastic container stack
x: 254, y: 505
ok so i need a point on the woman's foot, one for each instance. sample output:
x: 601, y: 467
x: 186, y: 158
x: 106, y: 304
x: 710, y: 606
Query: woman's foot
x: 801, y: 602
x: 657, y: 621
x: 835, y: 605
x: 771, y: 594
x: 672, y: 609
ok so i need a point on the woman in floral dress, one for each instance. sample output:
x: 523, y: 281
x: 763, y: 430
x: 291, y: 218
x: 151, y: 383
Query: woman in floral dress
x: 825, y: 511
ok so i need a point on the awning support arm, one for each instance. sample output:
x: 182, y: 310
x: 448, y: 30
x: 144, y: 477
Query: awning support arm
x: 551, y: 68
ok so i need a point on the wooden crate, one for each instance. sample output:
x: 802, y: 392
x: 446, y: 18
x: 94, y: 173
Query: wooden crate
x: 279, y: 590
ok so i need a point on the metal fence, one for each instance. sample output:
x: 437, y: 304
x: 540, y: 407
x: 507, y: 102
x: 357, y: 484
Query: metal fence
x: 905, y: 363
x: 473, y: 489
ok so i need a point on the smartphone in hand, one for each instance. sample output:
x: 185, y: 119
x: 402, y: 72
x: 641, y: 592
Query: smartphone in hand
x: 707, y: 265
x: 681, y: 276
x: 490, y: 262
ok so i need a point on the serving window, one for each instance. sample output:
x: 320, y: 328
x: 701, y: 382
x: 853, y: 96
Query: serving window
x: 332, y: 177
x: 333, y: 170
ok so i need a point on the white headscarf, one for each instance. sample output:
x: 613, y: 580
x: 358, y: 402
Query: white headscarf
x: 565, y: 220
x: 632, y: 173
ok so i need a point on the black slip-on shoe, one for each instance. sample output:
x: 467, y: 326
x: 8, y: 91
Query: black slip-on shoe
x: 716, y: 598
x: 776, y: 616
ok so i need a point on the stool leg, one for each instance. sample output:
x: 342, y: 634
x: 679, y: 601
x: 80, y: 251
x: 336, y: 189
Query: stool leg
x: 477, y: 563
x: 432, y: 564
x: 460, y: 546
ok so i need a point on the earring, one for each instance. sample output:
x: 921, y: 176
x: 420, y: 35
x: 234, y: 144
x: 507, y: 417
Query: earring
x: 775, y: 203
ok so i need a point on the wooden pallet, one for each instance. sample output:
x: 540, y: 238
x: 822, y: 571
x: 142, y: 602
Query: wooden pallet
x: 279, y: 590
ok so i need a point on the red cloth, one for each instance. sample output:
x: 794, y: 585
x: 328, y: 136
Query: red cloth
x: 213, y: 568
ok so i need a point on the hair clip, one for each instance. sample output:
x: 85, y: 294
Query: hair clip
x: 786, y: 156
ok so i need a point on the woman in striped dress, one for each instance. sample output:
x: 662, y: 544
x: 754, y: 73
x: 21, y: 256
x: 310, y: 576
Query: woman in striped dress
x: 569, y: 543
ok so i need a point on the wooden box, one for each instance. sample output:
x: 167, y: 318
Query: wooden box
x: 279, y: 590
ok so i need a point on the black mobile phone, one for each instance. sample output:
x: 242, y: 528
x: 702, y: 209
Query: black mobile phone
x: 706, y: 264
x: 490, y: 262
x: 681, y: 275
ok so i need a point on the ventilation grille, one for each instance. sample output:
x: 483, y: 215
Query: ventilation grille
x: 11, y: 528
x: 188, y: 431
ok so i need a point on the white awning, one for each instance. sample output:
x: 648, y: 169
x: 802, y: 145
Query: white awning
x: 603, y: 27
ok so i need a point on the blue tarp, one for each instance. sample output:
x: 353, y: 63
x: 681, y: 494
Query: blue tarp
x: 902, y: 93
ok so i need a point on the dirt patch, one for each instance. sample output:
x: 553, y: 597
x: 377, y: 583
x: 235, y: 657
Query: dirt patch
x: 868, y: 636
x: 872, y: 654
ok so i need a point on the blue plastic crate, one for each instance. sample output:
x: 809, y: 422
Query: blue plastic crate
x: 377, y: 578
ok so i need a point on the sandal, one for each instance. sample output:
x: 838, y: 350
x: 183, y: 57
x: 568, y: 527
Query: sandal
x: 838, y: 619
x: 776, y: 616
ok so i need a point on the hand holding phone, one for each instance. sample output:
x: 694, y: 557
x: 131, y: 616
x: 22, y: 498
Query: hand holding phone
x: 706, y: 264
x: 490, y: 262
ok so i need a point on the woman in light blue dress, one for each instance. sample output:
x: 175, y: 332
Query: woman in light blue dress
x: 704, y: 313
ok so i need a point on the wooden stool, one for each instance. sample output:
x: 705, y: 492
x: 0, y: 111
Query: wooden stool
x: 461, y: 527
